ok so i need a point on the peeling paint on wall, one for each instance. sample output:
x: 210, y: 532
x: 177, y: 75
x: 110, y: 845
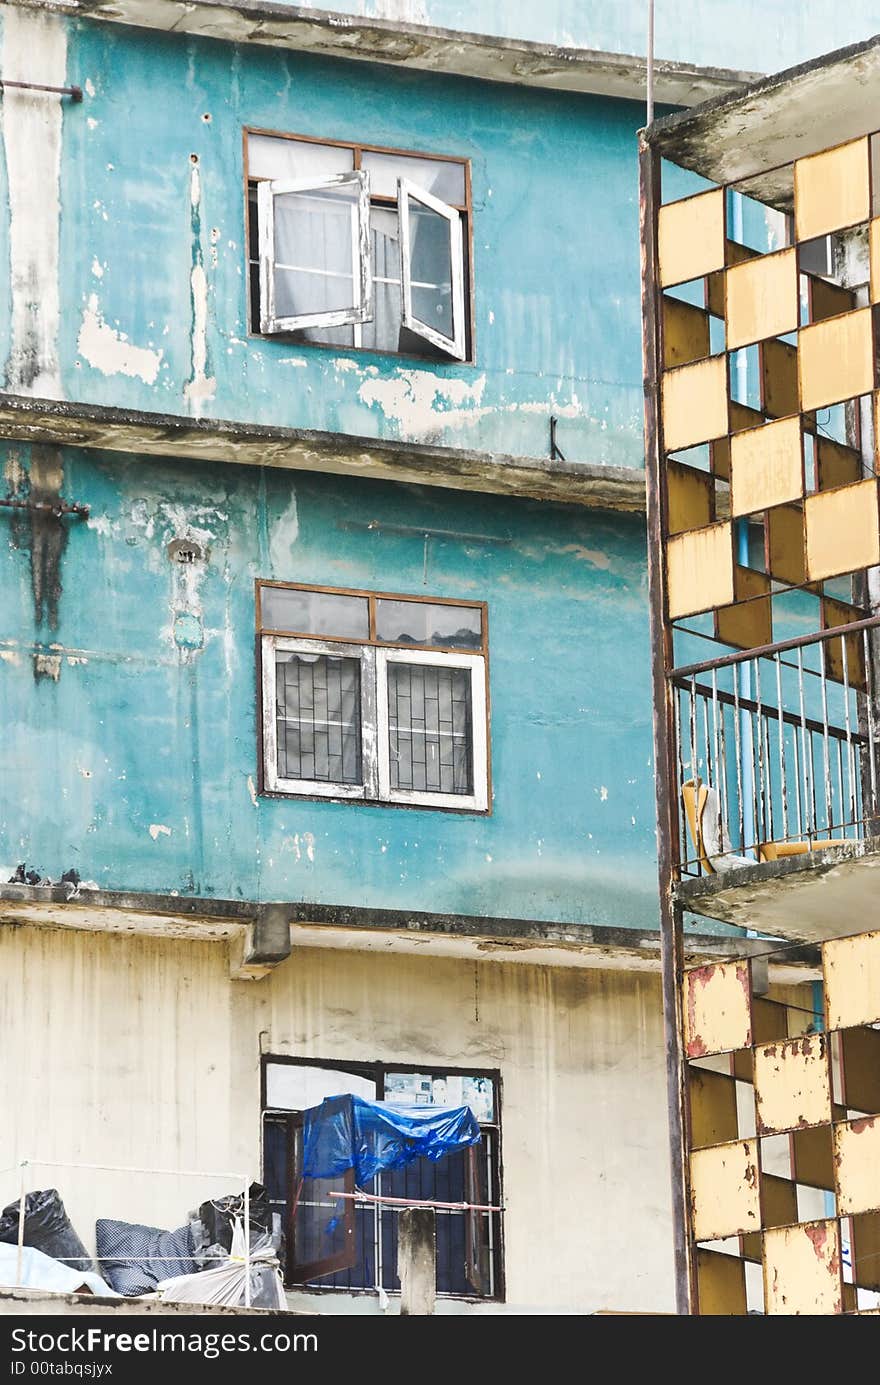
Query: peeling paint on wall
x: 110, y: 351
x: 200, y: 387
x: 284, y: 536
x: 34, y: 50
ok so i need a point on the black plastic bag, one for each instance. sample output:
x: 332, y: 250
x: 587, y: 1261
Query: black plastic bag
x: 47, y: 1228
x: 216, y: 1217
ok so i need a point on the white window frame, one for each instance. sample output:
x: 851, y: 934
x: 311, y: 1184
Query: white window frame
x: 322, y: 788
x: 361, y: 256
x: 478, y: 801
x: 455, y: 345
x: 375, y: 724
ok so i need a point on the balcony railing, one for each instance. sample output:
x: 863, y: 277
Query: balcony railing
x: 777, y: 749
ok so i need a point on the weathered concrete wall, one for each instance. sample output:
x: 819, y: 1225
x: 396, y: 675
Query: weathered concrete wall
x: 748, y: 34
x: 132, y: 207
x: 141, y: 1052
x: 130, y: 721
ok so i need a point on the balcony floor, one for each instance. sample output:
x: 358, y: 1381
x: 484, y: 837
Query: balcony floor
x: 825, y: 894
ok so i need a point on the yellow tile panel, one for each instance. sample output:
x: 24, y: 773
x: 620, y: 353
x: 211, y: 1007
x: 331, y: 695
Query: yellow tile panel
x: 857, y: 1165
x: 875, y: 260
x: 762, y: 299
x: 843, y: 530
x: 721, y: 1285
x: 724, y: 1190
x: 802, y: 1274
x: 766, y: 467
x: 690, y: 237
x: 694, y: 403
x: 851, y: 970
x: 836, y: 359
x: 699, y: 570
x: 792, y: 1084
x: 685, y: 333
x: 689, y: 498
x: 832, y: 190
x: 717, y: 1010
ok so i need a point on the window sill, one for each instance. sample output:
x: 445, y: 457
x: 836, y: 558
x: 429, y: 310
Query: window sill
x: 376, y: 803
x: 289, y: 342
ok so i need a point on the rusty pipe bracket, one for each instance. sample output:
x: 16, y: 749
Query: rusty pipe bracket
x: 54, y: 507
x: 75, y: 93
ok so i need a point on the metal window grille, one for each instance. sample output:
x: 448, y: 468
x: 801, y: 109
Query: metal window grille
x: 430, y: 728
x: 318, y: 716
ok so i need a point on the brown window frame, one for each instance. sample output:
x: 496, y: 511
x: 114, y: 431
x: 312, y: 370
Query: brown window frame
x: 358, y: 148
x: 371, y: 641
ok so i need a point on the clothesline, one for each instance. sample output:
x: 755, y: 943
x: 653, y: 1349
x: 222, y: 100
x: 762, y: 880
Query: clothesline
x: 359, y: 1196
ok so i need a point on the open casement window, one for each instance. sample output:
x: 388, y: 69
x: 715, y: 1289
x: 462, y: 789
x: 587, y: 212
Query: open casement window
x: 431, y: 711
x: 322, y: 1227
x: 315, y: 262
x: 431, y: 269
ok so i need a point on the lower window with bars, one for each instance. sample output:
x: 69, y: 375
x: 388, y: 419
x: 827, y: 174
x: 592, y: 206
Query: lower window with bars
x: 393, y: 723
x: 341, y: 1245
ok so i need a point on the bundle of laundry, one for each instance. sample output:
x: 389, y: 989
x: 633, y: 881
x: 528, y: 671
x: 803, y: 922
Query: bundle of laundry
x: 225, y: 1283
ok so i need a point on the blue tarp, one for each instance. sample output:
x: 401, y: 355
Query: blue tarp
x: 347, y: 1132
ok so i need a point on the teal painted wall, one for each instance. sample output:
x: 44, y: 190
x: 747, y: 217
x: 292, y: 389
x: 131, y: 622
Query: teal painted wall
x: 555, y: 248
x: 135, y: 760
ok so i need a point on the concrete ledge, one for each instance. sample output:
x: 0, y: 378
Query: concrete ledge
x: 824, y: 894
x: 423, y: 47
x: 262, y: 935
x: 44, y: 1303
x: 765, y: 126
x: 65, y: 424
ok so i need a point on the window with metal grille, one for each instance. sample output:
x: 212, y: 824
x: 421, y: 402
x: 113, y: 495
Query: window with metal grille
x: 355, y: 246
x: 336, y: 1244
x: 374, y: 697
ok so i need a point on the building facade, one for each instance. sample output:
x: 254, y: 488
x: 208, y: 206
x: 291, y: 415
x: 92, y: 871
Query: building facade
x: 325, y: 669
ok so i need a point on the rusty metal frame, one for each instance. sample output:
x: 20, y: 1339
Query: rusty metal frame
x: 672, y: 951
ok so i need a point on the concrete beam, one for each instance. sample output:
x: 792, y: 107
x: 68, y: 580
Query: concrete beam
x: 423, y: 47
x: 758, y: 131
x: 264, y: 944
x: 805, y: 899
x: 61, y: 423
x: 255, y: 932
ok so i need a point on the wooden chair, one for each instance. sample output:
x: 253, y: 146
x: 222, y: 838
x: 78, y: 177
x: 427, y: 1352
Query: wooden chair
x: 695, y: 795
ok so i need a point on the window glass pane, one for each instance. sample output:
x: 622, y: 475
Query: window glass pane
x: 270, y: 157
x: 423, y: 1089
x: 442, y: 178
x: 429, y: 728
x: 296, y: 1087
x: 418, y: 622
x: 430, y: 268
x: 383, y: 333
x: 314, y: 613
x: 318, y: 718
x: 315, y: 246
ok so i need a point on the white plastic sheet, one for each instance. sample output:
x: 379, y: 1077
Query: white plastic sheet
x: 225, y: 1284
x: 40, y: 1271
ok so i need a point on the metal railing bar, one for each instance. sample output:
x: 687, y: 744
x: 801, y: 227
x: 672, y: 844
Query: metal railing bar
x: 779, y: 647
x: 747, y: 705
